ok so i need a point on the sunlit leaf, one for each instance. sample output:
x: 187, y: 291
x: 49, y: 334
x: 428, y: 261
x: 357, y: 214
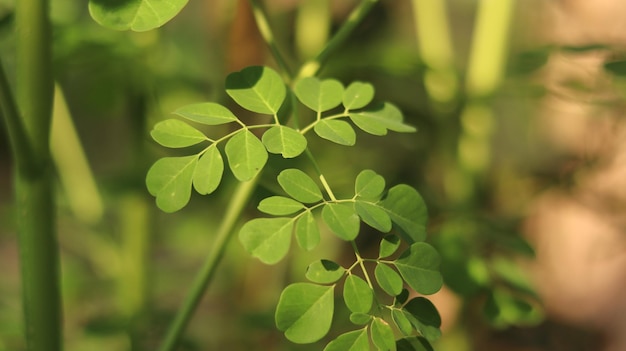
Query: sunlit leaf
x: 358, y: 95
x: 424, y: 317
x: 174, y: 133
x: 388, y: 246
x: 299, y: 185
x: 419, y: 266
x: 209, y: 171
x: 208, y: 113
x: 373, y: 215
x: 319, y: 95
x: 378, y: 119
x: 340, y: 132
x: 169, y: 179
x: 342, y: 220
x: 408, y: 211
x: 246, y: 155
x: 285, y: 141
x: 357, y: 295
x: 402, y: 322
x: 356, y: 340
x: 382, y: 335
x: 267, y: 239
x: 324, y: 272
x: 307, y: 232
x: 258, y: 89
x: 137, y: 15
x: 305, y: 312
x: 388, y: 279
x: 360, y: 318
x: 369, y: 185
x: 279, y: 205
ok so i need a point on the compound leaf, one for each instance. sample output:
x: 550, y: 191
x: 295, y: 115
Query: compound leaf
x: 425, y: 317
x: 174, y: 133
x: 209, y: 171
x: 388, y: 246
x: 342, y: 220
x: 324, y: 272
x: 305, y: 311
x: 208, y: 113
x: 357, y: 295
x: 319, y: 95
x: 388, y: 279
x: 137, y: 15
x: 307, y: 232
x: 279, y: 205
x: 355, y: 340
x: 373, y: 215
x: 382, y: 335
x: 377, y: 120
x: 258, y: 89
x: 246, y: 155
x: 369, y: 185
x: 267, y: 239
x: 299, y: 185
x: 169, y: 179
x: 340, y: 132
x: 408, y: 211
x: 285, y: 141
x: 358, y: 95
x: 419, y: 266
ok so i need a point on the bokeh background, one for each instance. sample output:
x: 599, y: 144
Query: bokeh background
x: 520, y: 155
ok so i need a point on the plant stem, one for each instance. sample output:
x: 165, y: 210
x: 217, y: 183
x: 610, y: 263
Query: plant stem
x: 233, y: 212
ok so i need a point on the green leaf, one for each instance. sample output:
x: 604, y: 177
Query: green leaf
x: 285, y: 141
x: 388, y: 279
x: 246, y: 155
x: 402, y: 298
x: 174, y: 133
x: 340, y: 132
x: 357, y: 295
x: 208, y: 113
x: 307, y: 232
x: 425, y: 317
x: 342, y: 220
x: 319, y: 95
x: 617, y: 67
x: 414, y: 344
x: 137, y: 15
x: 324, y: 272
x: 209, y: 171
x: 388, y: 246
x: 373, y: 215
x: 358, y: 95
x: 258, y: 89
x: 408, y: 211
x: 267, y: 239
x: 369, y: 185
x: 377, y: 120
x: 382, y: 335
x: 299, y: 185
x: 402, y: 321
x: 305, y: 312
x: 419, y: 266
x: 360, y: 318
x: 279, y: 206
x: 169, y: 179
x: 356, y: 340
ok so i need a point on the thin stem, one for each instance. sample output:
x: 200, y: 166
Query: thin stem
x: 360, y: 261
x: 233, y: 212
x: 327, y: 188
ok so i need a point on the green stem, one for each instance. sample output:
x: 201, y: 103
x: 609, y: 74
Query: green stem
x: 360, y: 261
x: 235, y: 208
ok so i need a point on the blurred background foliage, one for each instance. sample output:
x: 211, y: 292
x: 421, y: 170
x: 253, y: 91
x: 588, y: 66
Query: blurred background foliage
x: 465, y: 73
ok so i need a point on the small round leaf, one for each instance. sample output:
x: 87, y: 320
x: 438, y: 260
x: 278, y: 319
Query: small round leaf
x: 419, y: 266
x: 175, y: 134
x: 285, y: 141
x: 267, y: 239
x: 246, y: 155
x: 340, y: 132
x: 279, y: 206
x: 342, y: 220
x: 169, y: 179
x: 319, y: 95
x: 209, y: 171
x: 258, y: 89
x: 307, y: 232
x: 358, y: 95
x: 299, y: 185
x: 369, y: 185
x: 357, y: 295
x: 356, y: 340
x: 388, y: 279
x: 324, y: 272
x: 208, y: 113
x: 382, y: 335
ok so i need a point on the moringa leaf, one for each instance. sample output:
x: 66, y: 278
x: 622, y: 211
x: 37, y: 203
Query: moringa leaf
x: 369, y: 185
x: 136, y: 15
x: 258, y: 89
x: 267, y: 239
x: 399, y: 317
x: 373, y: 215
x: 408, y: 211
x: 388, y: 279
x: 175, y: 134
x: 319, y: 95
x: 324, y: 272
x: 357, y: 295
x: 307, y: 232
x: 342, y: 220
x: 208, y: 113
x: 419, y: 266
x: 340, y: 132
x: 388, y: 246
x: 358, y: 95
x: 169, y: 179
x: 279, y: 205
x: 378, y: 119
x: 305, y: 312
x: 356, y: 340
x: 299, y: 185
x: 209, y: 171
x: 285, y: 141
x: 382, y: 335
x: 360, y: 318
x: 246, y: 155
x: 424, y: 317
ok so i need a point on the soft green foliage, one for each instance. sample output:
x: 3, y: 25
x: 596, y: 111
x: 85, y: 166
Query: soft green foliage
x: 356, y: 340
x: 318, y: 95
x: 258, y: 89
x: 419, y: 266
x: 305, y: 312
x: 357, y: 295
x: 137, y: 15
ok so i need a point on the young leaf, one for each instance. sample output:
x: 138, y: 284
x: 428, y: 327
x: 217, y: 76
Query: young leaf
x: 208, y: 113
x: 357, y: 295
x: 267, y: 239
x: 388, y: 279
x: 279, y: 206
x: 358, y: 95
x: 342, y: 220
x: 209, y: 171
x: 388, y: 246
x: 351, y: 341
x: 382, y: 335
x: 137, y: 15
x: 319, y: 95
x: 360, y: 318
x: 285, y: 141
x: 299, y: 185
x: 425, y: 317
x: 305, y: 312
x: 324, y: 272
x: 246, y: 155
x: 419, y: 266
x: 369, y: 185
x: 169, y: 179
x: 258, y: 89
x: 340, y: 132
x: 377, y: 120
x: 174, y: 133
x: 402, y: 321
x: 307, y: 232
x: 373, y: 215
x: 408, y: 211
